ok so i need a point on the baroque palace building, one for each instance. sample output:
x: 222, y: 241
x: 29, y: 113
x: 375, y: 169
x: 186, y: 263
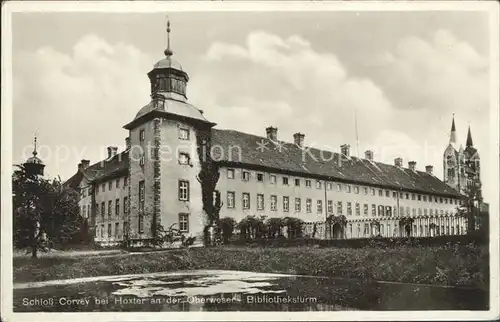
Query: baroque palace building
x: 155, y: 180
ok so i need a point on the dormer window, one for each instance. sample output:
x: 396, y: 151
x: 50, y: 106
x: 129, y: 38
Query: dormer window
x: 183, y: 158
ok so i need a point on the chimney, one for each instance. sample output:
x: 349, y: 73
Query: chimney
x: 127, y: 143
x: 369, y: 155
x: 398, y: 162
x: 85, y: 164
x: 298, y: 139
x: 112, y: 150
x: 345, y: 149
x: 429, y: 169
x: 80, y: 167
x: 412, y: 165
x: 272, y: 133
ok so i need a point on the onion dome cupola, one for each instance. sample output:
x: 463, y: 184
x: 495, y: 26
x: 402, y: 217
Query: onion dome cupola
x: 168, y: 93
x: 34, y: 165
x: 167, y: 77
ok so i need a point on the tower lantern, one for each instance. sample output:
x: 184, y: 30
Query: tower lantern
x: 34, y: 165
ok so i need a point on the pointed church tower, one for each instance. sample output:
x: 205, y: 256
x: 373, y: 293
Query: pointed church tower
x: 472, y: 163
x: 451, y: 160
x: 163, y: 188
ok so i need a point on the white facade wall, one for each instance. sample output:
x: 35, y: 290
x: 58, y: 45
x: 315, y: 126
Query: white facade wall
x: 359, y: 225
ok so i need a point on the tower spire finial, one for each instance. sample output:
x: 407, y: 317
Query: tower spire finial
x: 168, y: 52
x: 469, y: 142
x: 34, y: 146
x: 453, y: 134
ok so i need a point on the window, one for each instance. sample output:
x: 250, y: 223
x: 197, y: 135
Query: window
x: 365, y: 209
x: 297, y: 182
x: 125, y: 206
x: 141, y: 196
x: 425, y: 211
x: 97, y: 189
x: 260, y: 177
x: 349, y: 209
x: 141, y: 160
x: 117, y: 207
x: 103, y: 211
x: 387, y: 193
x: 184, y: 190
x: 110, y: 206
x: 272, y: 178
x: 348, y: 188
x: 380, y: 193
x: 308, y: 205
x: 245, y: 175
x: 183, y: 158
x: 103, y: 186
x: 420, y: 211
x: 297, y: 205
x: 408, y: 211
x: 109, y: 230
x: 246, y: 200
x: 117, y: 229
x: 412, y: 196
x: 407, y: 196
x: 329, y: 186
x: 339, y: 187
x: 425, y: 198
x: 285, y: 181
x: 118, y: 183
x: 358, y: 209
x: 373, y: 192
x: 419, y: 197
x: 260, y: 202
x: 184, y: 222
x: 230, y: 199
x: 381, y: 210
x: 339, y: 208
x: 319, y: 206
x: 308, y: 183
x: 286, y: 204
x: 374, y: 210
x: 356, y: 189
x: 365, y: 190
x: 142, y: 135
x: 445, y: 200
x: 414, y: 212
x: 230, y: 173
x: 330, y: 206
x: 274, y: 202
x: 394, y: 194
x: 183, y: 133
x: 388, y: 211
x: 318, y: 184
x: 102, y: 231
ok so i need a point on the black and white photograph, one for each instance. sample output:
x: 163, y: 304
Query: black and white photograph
x: 241, y: 160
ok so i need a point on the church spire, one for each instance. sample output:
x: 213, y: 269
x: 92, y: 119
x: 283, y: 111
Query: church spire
x: 453, y: 134
x: 34, y: 146
x: 168, y: 52
x: 469, y: 139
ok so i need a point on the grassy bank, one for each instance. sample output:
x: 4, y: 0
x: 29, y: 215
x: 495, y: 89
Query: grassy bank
x: 455, y: 265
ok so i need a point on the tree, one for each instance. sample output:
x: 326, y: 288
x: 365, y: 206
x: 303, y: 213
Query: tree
x: 43, y: 211
x: 208, y: 178
x: 406, y: 223
x: 337, y: 223
x: 227, y: 225
x: 470, y: 206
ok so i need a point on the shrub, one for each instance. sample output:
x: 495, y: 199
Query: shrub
x: 294, y: 227
x: 227, y: 225
x: 251, y: 227
x: 274, y: 227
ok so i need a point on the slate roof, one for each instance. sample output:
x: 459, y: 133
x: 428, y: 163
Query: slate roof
x: 293, y: 160
x: 101, y: 170
x: 332, y: 165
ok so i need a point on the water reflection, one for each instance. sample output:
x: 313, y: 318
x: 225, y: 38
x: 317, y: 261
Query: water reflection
x: 242, y: 291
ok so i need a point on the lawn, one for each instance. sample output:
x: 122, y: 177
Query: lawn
x: 443, y: 265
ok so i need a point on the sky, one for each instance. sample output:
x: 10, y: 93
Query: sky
x: 398, y: 77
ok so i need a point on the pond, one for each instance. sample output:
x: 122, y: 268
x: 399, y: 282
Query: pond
x: 216, y: 290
